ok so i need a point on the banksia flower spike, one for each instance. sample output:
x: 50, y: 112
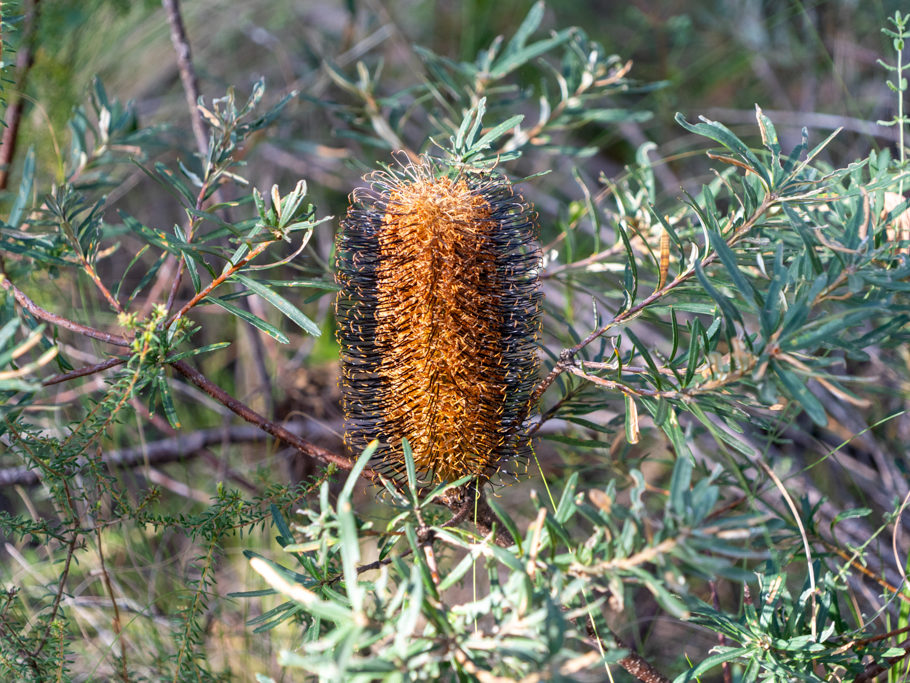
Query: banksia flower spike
x: 438, y: 317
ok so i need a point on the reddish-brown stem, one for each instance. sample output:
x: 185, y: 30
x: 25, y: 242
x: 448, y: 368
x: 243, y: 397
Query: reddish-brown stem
x: 60, y: 321
x: 258, y: 249
x: 82, y: 372
x: 276, y: 430
x: 88, y: 268
x: 24, y: 60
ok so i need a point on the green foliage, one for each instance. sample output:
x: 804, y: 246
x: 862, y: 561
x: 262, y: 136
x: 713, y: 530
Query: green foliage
x: 720, y: 431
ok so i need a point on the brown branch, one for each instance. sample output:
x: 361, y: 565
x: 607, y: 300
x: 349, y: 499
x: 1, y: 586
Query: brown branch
x: 24, y: 61
x: 172, y: 449
x: 187, y: 72
x: 219, y: 464
x: 875, y: 670
x: 258, y: 249
x: 278, y: 431
x: 60, y: 321
x: 82, y: 372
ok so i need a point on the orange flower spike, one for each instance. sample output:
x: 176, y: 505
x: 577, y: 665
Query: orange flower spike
x: 438, y: 317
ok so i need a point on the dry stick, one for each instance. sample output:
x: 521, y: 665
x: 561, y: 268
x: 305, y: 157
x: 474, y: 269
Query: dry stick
x: 24, y: 60
x: 187, y: 73
x: 60, y: 321
x: 172, y: 449
x: 220, y: 465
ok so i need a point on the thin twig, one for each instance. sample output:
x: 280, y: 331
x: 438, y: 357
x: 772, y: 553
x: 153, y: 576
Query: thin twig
x: 276, y: 430
x: 82, y: 372
x: 61, y: 588
x: 191, y: 91
x: 60, y: 321
x: 93, y: 274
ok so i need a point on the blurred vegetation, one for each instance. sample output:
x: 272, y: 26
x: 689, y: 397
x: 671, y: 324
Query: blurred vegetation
x: 721, y: 458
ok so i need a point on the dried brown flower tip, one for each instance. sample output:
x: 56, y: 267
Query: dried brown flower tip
x: 438, y: 317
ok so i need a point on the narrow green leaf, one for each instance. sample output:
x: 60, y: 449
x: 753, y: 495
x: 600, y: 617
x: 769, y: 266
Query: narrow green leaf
x: 197, y: 351
x: 724, y: 654
x: 410, y: 468
x: 281, y: 304
x: 506, y: 520
x: 490, y: 136
x: 798, y: 390
x: 354, y: 474
x: 509, y: 62
x: 727, y: 308
x: 720, y: 133
x: 167, y: 401
x: 530, y: 24
x: 253, y: 320
x: 728, y: 259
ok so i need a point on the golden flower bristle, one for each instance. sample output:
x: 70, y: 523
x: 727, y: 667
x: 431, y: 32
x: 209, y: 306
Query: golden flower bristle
x: 438, y: 316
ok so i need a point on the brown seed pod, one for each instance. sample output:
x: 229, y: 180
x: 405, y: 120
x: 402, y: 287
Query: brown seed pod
x: 438, y: 317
